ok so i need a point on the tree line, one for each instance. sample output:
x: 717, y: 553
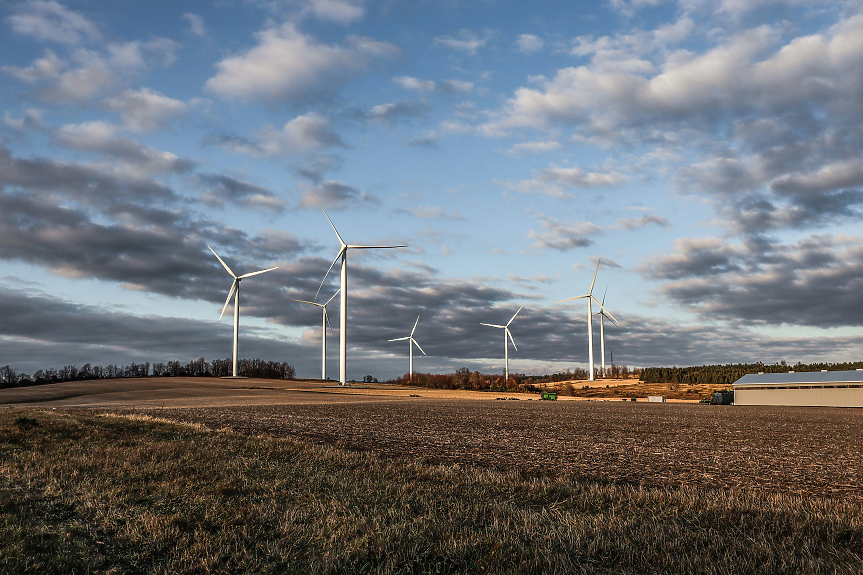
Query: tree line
x: 257, y: 368
x: 731, y: 372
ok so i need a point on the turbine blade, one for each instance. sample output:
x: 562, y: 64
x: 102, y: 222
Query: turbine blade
x: 513, y: 316
x: 604, y: 294
x: 510, y: 338
x: 256, y: 273
x: 308, y: 302
x: 399, y: 338
x: 341, y: 251
x: 415, y: 326
x: 227, y: 301
x: 223, y: 262
x: 327, y: 316
x: 573, y: 298
x: 341, y: 241
x: 334, y: 295
x: 594, y: 276
x: 494, y: 325
x: 607, y: 313
x: 418, y: 345
x: 352, y: 247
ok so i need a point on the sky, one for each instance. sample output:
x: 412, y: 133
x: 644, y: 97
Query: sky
x: 709, y: 151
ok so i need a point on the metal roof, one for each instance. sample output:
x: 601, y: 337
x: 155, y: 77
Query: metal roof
x: 802, y: 377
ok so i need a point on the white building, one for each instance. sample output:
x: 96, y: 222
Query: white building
x: 821, y: 388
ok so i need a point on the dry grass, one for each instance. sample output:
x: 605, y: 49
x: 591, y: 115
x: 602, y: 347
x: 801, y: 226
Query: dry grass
x: 82, y: 493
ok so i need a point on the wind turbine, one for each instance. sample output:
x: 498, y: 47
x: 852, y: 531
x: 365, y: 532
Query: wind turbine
x: 506, y: 332
x: 235, y: 287
x: 325, y: 320
x: 411, y: 345
x: 601, y: 313
x: 590, y: 297
x: 343, y: 312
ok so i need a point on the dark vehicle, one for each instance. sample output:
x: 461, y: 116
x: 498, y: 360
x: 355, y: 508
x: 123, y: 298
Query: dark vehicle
x: 722, y: 398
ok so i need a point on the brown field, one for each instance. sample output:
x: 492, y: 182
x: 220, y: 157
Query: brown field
x: 805, y: 451
x: 230, y: 476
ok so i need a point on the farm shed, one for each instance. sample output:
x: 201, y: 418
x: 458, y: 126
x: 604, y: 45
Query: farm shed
x: 818, y: 388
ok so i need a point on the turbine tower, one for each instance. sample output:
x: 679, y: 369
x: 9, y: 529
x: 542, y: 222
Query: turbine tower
x: 411, y: 346
x: 325, y: 321
x: 506, y: 332
x: 590, y: 297
x: 601, y: 313
x: 343, y: 312
x: 235, y: 288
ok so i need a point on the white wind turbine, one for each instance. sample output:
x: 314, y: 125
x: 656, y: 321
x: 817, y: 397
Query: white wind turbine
x: 411, y: 345
x: 506, y: 332
x: 325, y: 320
x: 343, y: 312
x: 602, y: 315
x: 235, y: 288
x: 590, y: 297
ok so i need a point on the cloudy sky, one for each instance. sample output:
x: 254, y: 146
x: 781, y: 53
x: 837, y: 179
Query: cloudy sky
x: 708, y: 150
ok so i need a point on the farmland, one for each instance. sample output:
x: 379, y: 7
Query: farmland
x: 295, y: 476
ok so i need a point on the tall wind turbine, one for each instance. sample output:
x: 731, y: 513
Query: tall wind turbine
x: 325, y: 320
x: 602, y: 315
x: 411, y: 345
x: 235, y: 288
x: 343, y: 312
x: 506, y: 332
x: 590, y: 297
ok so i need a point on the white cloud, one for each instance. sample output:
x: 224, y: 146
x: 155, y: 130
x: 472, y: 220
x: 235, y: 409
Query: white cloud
x: 411, y: 83
x: 50, y: 21
x: 534, y: 148
x: 46, y: 67
x: 288, y: 65
x: 559, y: 236
x: 145, y: 109
x: 304, y: 133
x: 196, y: 24
x: 529, y: 43
x: 431, y: 213
x: 341, y: 11
x: 466, y: 41
x: 81, y: 84
x: 336, y: 195
x: 636, y: 223
x: 554, y: 181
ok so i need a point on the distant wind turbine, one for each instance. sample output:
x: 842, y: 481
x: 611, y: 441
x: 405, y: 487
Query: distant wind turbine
x: 235, y: 288
x: 506, y: 333
x: 343, y: 312
x: 411, y: 346
x: 590, y: 297
x: 601, y: 313
x: 325, y: 321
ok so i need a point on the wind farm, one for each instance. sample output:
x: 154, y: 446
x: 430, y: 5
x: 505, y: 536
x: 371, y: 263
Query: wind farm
x: 355, y: 164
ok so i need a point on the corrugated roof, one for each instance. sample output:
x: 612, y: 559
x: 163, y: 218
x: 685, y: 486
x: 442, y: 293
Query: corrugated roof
x: 802, y: 377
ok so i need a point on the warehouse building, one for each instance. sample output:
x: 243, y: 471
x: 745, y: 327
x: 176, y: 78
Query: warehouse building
x: 818, y: 388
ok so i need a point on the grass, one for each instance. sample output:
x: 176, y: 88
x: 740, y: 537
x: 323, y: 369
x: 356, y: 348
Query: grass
x: 88, y: 493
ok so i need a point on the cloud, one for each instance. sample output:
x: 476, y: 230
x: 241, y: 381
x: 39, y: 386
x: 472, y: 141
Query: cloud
x: 534, y: 148
x: 529, y: 43
x: 32, y: 120
x: 815, y: 281
x: 394, y: 111
x: 48, y: 21
x: 443, y: 87
x: 430, y: 213
x: 336, y: 195
x: 289, y: 66
x: 48, y: 66
x: 636, y: 223
x: 341, y: 11
x: 554, y: 181
x: 145, y: 109
x: 563, y: 237
x: 308, y: 132
x: 221, y: 189
x: 411, y: 83
x: 466, y: 41
x: 196, y: 24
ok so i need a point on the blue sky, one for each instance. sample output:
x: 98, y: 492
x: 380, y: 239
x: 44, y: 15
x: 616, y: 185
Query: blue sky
x: 707, y: 150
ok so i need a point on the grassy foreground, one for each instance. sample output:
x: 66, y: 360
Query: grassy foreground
x: 83, y: 493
